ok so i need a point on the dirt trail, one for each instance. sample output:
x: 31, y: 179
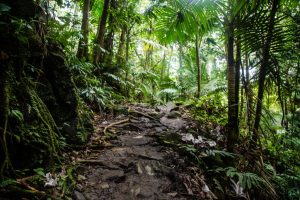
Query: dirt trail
x: 132, y: 163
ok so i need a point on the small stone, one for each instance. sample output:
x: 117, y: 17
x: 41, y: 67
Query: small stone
x: 79, y: 187
x: 139, y: 168
x: 172, y: 194
x: 78, y: 195
x: 149, y: 170
x: 104, y: 185
x: 138, y: 137
x: 81, y: 178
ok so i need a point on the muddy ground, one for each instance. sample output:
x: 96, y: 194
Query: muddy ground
x: 128, y: 157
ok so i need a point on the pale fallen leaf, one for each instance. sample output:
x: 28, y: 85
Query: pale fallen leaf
x: 50, y: 181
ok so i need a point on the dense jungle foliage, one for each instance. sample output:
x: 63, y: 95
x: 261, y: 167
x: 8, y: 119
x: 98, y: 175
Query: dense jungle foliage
x: 235, y: 64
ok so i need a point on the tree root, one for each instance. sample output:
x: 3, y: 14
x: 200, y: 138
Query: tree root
x: 18, y: 191
x: 115, y: 123
x: 140, y: 113
x: 23, y: 182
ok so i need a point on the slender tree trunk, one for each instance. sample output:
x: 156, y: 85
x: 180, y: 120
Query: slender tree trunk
x: 237, y: 79
x: 99, y: 42
x: 126, y: 59
x: 180, y: 56
x: 198, y: 42
x: 82, y: 51
x: 263, y: 69
x: 249, y: 95
x: 293, y: 106
x: 232, y: 105
x: 243, y: 89
x: 109, y: 39
x: 120, y: 58
x: 242, y: 103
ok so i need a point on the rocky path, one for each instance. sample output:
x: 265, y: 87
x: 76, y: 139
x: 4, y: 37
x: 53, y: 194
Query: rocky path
x: 126, y: 160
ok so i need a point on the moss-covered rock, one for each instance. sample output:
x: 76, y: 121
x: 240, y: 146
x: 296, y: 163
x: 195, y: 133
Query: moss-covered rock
x: 39, y: 111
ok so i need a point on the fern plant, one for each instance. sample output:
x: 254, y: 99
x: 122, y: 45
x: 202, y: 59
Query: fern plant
x: 249, y: 180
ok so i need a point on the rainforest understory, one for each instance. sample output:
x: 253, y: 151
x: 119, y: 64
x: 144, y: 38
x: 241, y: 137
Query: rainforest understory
x: 149, y: 99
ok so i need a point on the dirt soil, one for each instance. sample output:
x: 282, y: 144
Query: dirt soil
x: 126, y: 160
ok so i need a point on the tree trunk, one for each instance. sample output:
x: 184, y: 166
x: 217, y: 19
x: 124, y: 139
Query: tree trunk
x: 82, y: 51
x: 180, y: 57
x: 263, y: 69
x: 232, y: 104
x: 109, y: 39
x: 249, y: 95
x: 237, y: 79
x: 120, y: 58
x: 198, y: 40
x: 126, y: 60
x: 100, y: 33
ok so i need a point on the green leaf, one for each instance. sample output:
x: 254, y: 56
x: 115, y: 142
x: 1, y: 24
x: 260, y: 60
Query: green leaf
x: 4, y: 8
x: 40, y: 172
x: 8, y: 182
x: 17, y: 114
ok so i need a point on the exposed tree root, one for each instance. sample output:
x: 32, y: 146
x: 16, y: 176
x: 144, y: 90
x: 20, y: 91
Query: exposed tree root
x: 115, y: 123
x: 140, y: 113
x: 23, y: 182
x: 20, y: 192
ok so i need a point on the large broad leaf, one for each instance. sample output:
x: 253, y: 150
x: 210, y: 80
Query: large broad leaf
x: 179, y: 20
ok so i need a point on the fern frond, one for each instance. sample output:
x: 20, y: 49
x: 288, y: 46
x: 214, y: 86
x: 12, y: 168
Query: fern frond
x: 221, y: 153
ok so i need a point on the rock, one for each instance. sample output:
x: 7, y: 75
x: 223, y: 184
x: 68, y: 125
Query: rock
x: 79, y: 187
x: 139, y: 168
x: 78, y: 195
x: 113, y: 175
x: 173, y: 114
x: 149, y: 170
x: 160, y: 129
x: 166, y: 108
x: 176, y: 108
x: 135, y: 140
x: 172, y: 194
x: 81, y: 178
x: 176, y: 124
x: 104, y: 185
x: 146, y: 153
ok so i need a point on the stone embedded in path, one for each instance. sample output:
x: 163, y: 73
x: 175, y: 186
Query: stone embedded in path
x: 166, y: 108
x: 138, y: 140
x: 173, y: 115
x: 78, y: 196
x: 175, y: 124
x: 112, y: 175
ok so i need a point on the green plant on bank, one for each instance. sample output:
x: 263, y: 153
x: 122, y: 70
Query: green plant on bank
x: 95, y: 91
x: 211, y: 109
